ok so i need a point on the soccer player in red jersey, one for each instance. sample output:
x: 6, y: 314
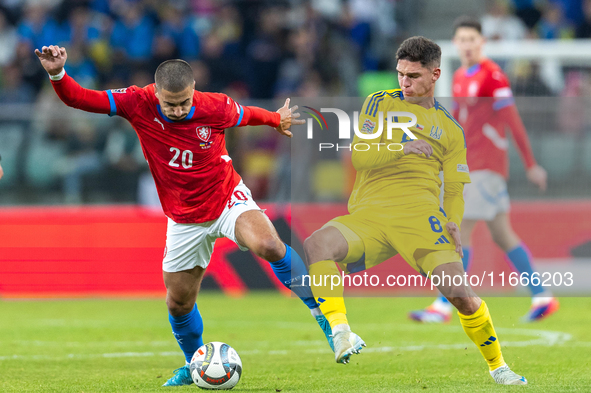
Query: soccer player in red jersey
x: 484, y: 106
x: 181, y: 131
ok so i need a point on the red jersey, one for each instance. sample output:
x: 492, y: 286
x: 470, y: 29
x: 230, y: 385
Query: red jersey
x: 188, y: 158
x: 484, y: 119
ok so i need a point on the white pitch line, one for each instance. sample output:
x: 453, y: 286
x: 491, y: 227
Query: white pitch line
x: 90, y: 356
x: 86, y: 344
x: 542, y: 337
x: 545, y: 337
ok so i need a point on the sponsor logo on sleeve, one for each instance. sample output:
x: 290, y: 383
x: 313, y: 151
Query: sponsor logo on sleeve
x: 463, y: 168
x: 123, y: 90
x: 368, y: 127
x: 503, y: 92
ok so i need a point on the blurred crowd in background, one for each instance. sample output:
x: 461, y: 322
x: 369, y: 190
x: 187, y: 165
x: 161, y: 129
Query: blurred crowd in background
x: 256, y: 51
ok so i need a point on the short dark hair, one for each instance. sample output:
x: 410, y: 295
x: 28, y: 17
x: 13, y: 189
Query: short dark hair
x: 467, y: 21
x: 174, y: 76
x: 420, y: 49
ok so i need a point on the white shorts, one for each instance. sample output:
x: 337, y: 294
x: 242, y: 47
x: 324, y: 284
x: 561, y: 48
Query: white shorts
x: 190, y: 245
x: 486, y: 196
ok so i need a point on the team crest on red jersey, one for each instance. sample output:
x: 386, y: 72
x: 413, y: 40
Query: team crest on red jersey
x: 204, y: 132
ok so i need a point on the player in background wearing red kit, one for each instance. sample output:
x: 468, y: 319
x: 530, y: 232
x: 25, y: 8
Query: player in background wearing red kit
x: 484, y: 121
x: 181, y: 131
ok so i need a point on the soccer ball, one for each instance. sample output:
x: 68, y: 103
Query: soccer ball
x: 216, y: 366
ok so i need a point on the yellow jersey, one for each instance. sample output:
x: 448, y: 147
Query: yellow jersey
x: 388, y: 178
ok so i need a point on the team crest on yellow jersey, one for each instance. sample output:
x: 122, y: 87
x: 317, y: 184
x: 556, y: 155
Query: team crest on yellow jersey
x: 436, y: 132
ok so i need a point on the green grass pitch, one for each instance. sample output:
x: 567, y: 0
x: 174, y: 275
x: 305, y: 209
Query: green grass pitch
x: 127, y: 346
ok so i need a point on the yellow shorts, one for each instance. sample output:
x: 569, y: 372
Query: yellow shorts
x: 418, y: 235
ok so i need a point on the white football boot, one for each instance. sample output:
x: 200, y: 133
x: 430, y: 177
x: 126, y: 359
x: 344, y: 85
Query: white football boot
x: 346, y: 343
x: 504, y: 376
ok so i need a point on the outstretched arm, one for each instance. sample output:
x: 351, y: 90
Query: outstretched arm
x: 281, y: 120
x: 53, y: 59
x: 255, y: 116
x: 288, y: 117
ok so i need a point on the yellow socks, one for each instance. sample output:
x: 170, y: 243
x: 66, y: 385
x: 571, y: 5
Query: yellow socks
x: 480, y: 329
x: 328, y: 291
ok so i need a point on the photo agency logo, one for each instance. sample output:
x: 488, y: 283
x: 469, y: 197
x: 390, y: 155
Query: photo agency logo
x: 370, y: 131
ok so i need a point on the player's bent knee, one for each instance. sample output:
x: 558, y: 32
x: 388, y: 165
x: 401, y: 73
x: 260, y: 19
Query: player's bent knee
x: 499, y: 239
x: 463, y: 298
x: 180, y: 302
x: 319, y: 247
x: 310, y: 245
x: 269, y: 248
x: 466, y: 305
x: 179, y: 308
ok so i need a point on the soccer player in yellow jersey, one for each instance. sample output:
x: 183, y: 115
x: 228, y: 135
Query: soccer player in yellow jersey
x: 394, y: 207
